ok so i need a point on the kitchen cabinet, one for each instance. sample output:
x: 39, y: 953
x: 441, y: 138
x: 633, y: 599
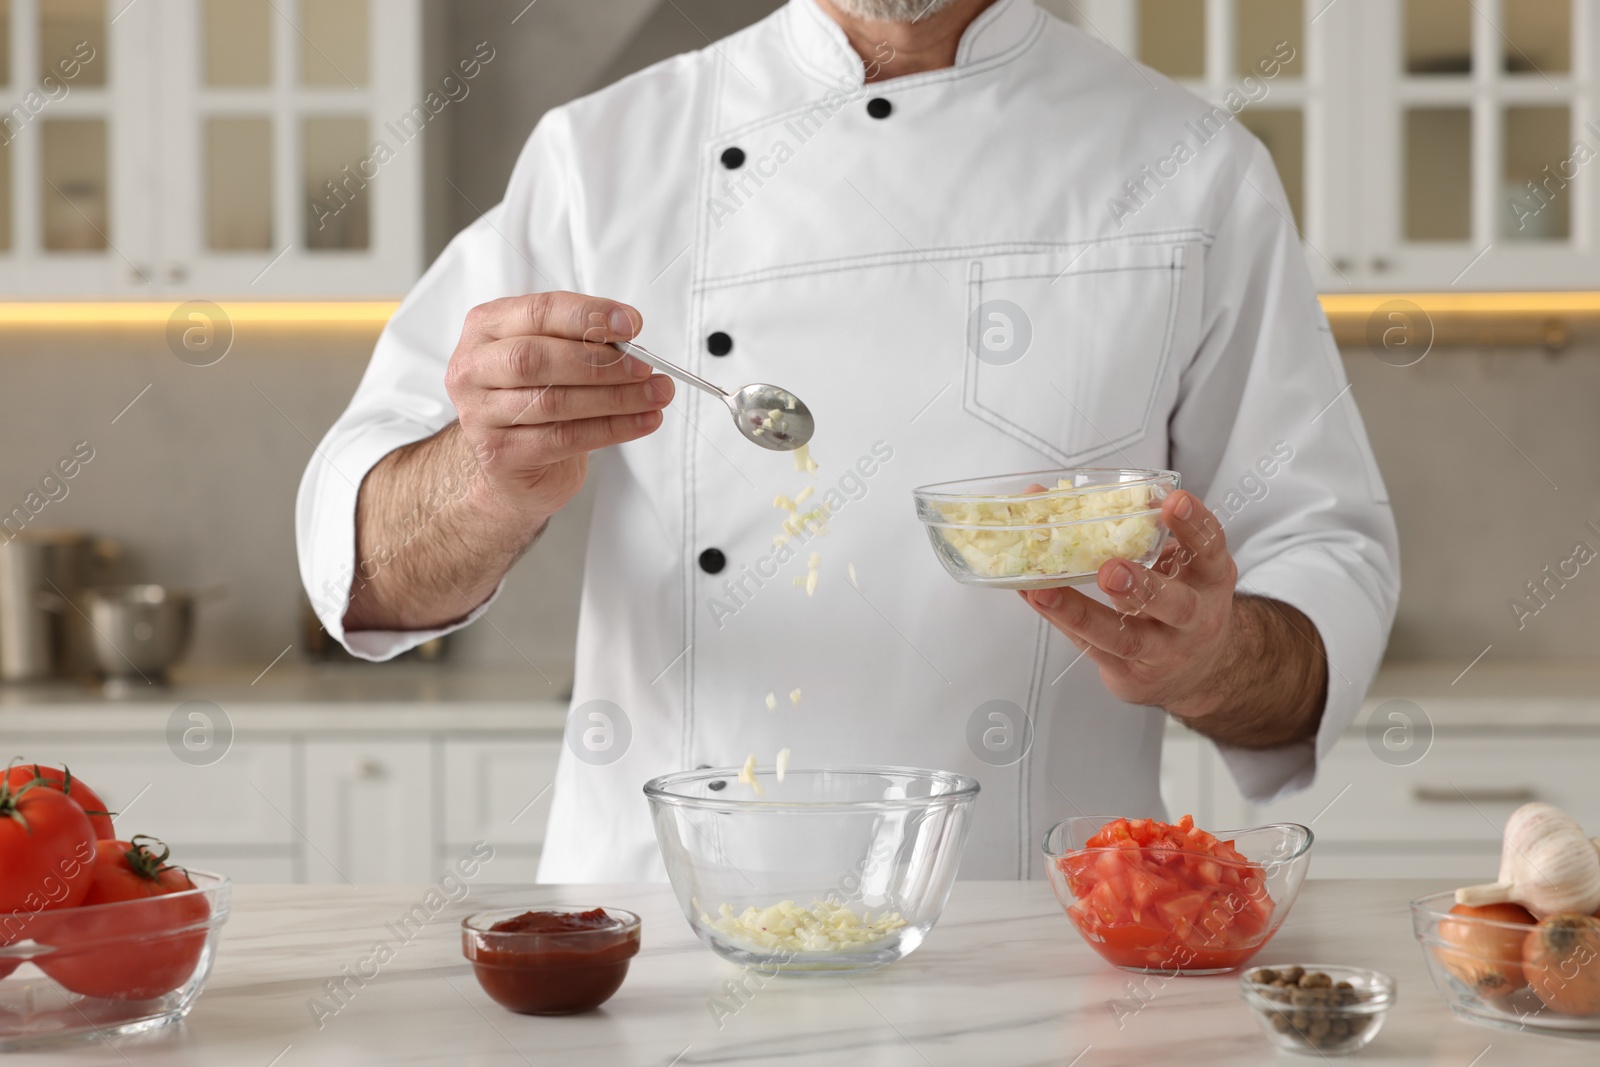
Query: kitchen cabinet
x: 251, y: 148
x: 395, y: 786
x: 1423, y: 144
x: 1439, y: 817
x: 234, y: 815
x: 394, y: 774
x: 498, y: 791
x: 370, y: 814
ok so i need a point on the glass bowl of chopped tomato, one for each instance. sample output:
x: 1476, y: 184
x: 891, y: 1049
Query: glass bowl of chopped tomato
x: 1170, y: 898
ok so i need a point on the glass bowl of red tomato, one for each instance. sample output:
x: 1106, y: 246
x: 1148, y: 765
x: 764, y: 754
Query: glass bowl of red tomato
x: 105, y: 970
x: 1171, y: 898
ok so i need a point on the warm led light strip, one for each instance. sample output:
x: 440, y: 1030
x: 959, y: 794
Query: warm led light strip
x: 367, y: 313
x: 1343, y: 308
x: 1347, y: 305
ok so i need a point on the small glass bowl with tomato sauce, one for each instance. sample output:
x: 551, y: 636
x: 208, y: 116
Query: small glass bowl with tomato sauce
x: 1171, y: 898
x: 552, y: 960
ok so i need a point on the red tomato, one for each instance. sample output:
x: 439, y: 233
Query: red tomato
x: 1166, y: 896
x: 63, y: 781
x: 46, y: 854
x: 140, y: 931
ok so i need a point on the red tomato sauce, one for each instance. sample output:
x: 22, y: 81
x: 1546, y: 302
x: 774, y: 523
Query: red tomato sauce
x: 1167, y: 897
x: 555, y: 922
x: 552, y: 962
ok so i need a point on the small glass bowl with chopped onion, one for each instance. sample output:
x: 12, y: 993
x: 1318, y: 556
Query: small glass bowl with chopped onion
x: 825, y: 872
x: 1045, y: 529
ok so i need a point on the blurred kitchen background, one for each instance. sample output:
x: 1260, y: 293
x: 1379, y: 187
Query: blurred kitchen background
x: 175, y: 150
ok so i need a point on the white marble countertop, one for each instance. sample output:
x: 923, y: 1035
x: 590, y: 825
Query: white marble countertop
x: 1003, y: 980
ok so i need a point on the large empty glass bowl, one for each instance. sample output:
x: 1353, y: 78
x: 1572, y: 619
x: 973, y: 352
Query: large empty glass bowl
x: 825, y: 872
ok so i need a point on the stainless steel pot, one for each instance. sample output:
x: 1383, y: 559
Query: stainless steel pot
x: 36, y: 564
x: 135, y: 631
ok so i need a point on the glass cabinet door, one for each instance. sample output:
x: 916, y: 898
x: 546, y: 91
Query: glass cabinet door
x: 1475, y: 157
x: 1423, y: 144
x: 74, y: 112
x: 226, y: 148
x: 288, y: 132
x: 1268, y: 57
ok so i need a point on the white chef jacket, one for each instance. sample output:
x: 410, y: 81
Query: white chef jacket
x: 847, y: 258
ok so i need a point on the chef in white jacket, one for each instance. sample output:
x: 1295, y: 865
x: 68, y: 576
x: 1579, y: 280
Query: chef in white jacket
x: 974, y: 242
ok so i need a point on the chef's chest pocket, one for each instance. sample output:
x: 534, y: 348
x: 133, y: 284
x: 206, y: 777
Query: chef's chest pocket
x: 1067, y: 350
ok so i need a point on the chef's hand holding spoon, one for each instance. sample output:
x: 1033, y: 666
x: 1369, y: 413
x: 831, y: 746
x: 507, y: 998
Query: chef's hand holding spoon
x: 1242, y: 669
x: 536, y: 386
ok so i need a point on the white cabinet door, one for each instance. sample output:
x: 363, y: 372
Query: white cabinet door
x: 1459, y: 793
x: 1462, y: 867
x: 511, y: 865
x: 499, y: 791
x: 245, y: 798
x: 76, y: 105
x: 1440, y: 817
x: 256, y: 865
x: 1184, y: 776
x: 369, y: 814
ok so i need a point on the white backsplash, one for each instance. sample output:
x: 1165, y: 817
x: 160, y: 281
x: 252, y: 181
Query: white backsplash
x: 198, y: 479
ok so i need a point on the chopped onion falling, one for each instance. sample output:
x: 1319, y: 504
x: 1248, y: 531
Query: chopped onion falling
x: 747, y: 775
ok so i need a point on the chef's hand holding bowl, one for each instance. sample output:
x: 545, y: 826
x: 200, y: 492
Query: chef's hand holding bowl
x: 537, y: 387
x: 1173, y: 629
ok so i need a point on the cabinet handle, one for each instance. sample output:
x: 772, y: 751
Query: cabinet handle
x: 1342, y: 263
x: 371, y: 770
x: 1379, y: 264
x: 1429, y: 794
x: 177, y: 272
x: 140, y: 274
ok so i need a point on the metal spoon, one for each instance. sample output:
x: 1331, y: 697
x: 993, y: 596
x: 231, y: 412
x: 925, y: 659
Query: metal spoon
x: 771, y: 417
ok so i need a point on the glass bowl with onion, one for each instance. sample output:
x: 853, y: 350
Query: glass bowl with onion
x: 826, y: 871
x: 1496, y: 968
x: 1045, y: 529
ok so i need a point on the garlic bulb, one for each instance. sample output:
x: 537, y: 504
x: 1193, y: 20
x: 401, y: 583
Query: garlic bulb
x: 1547, y: 865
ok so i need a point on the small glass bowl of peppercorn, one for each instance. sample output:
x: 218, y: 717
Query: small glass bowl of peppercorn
x: 554, y: 961
x: 1319, y: 1009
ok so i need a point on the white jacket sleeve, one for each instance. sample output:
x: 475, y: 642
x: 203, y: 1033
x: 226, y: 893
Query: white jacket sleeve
x: 521, y: 245
x: 1267, y: 433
